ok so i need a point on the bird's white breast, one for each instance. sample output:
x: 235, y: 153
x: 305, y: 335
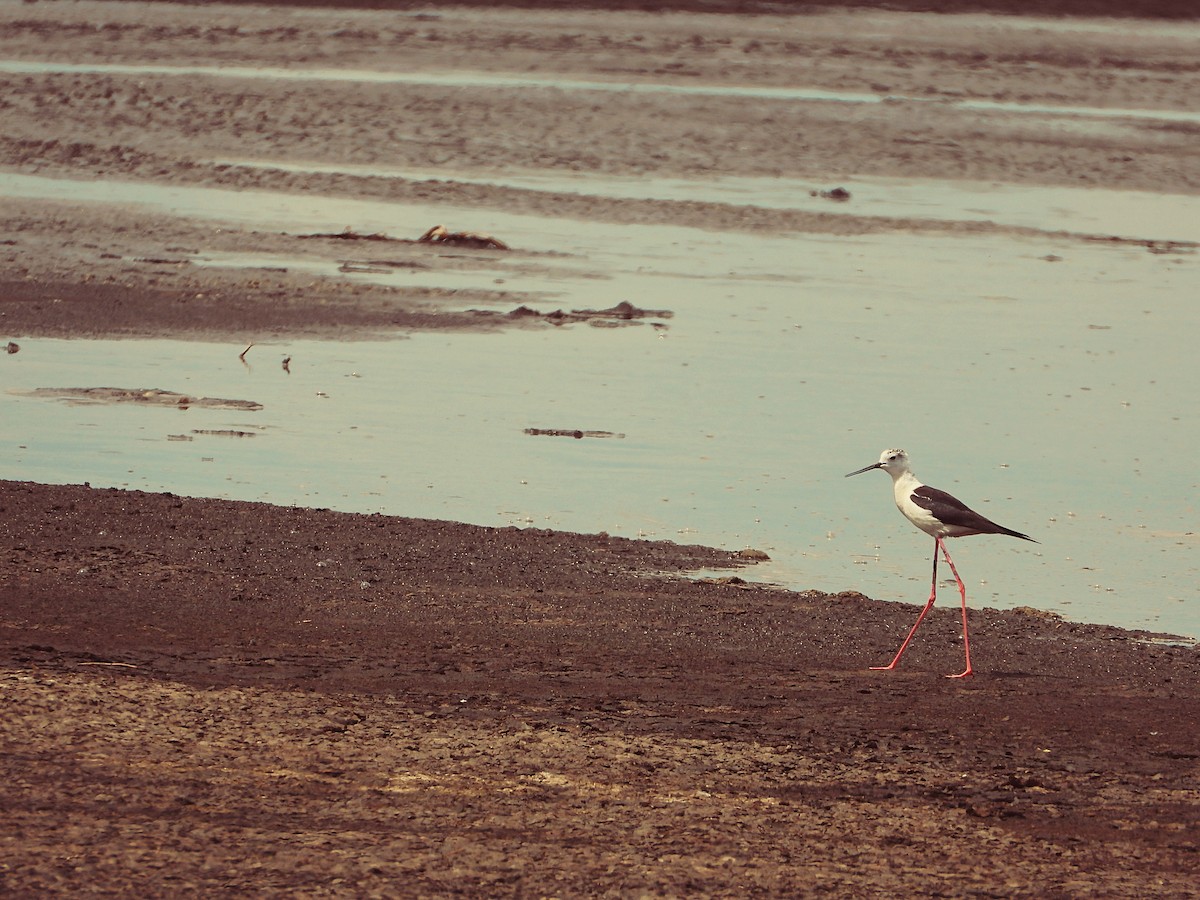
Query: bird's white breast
x: 918, y: 515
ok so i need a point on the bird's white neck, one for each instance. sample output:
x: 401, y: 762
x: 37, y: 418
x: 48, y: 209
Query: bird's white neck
x: 905, y: 476
x: 904, y: 483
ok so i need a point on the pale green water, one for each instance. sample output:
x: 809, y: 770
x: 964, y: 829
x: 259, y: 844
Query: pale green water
x: 1054, y: 396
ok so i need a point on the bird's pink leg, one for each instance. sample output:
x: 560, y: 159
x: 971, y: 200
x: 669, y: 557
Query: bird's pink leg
x: 928, y: 606
x: 962, y: 592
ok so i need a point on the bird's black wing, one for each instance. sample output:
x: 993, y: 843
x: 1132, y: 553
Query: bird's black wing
x: 952, y: 511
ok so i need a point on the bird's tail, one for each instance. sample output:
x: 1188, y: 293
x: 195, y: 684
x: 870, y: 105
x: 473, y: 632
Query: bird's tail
x: 1016, y: 534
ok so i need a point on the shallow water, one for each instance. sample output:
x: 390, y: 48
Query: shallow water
x: 1135, y: 214
x: 1044, y: 380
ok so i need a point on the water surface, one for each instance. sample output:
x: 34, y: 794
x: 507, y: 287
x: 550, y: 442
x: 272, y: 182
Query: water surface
x: 1045, y: 380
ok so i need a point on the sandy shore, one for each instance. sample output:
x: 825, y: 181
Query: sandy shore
x: 225, y: 699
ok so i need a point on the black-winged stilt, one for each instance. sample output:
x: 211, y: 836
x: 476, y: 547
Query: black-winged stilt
x: 940, y: 515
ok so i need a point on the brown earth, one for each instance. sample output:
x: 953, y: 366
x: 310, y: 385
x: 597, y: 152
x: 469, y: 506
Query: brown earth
x: 205, y: 697
x: 225, y: 699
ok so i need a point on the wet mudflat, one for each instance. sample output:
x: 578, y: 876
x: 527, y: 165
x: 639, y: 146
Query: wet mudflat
x: 215, y: 697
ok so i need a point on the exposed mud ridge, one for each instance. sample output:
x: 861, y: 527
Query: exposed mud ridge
x: 576, y: 433
x: 623, y: 313
x: 142, y: 396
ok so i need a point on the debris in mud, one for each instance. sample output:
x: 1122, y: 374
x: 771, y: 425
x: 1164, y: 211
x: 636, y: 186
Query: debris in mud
x: 12, y: 347
x: 521, y: 312
x: 162, y: 261
x: 356, y: 268
x: 576, y: 433
x: 1171, y: 246
x: 752, y: 553
x: 379, y: 266
x: 1158, y: 247
x: 146, y: 396
x: 225, y: 432
x: 348, y: 234
x: 439, y: 234
x: 624, y: 313
x: 840, y: 194
x: 624, y: 310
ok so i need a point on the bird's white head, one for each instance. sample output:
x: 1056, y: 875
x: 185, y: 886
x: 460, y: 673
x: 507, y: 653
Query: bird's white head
x: 894, y: 462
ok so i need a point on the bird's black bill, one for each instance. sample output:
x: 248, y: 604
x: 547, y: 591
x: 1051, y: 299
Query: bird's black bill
x: 866, y: 469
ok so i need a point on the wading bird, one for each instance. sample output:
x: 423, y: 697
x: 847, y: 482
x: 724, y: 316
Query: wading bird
x: 940, y: 515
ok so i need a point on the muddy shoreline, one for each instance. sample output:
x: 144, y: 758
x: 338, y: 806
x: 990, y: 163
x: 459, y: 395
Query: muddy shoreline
x: 233, y: 697
x: 214, y: 698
